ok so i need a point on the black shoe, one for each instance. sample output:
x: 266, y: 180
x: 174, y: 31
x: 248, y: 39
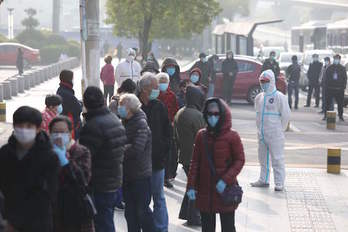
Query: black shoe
x: 316, y: 106
x: 167, y: 184
x: 307, y: 106
x: 324, y: 119
x: 296, y: 107
x: 341, y: 119
x: 321, y: 112
x: 120, y: 206
x: 194, y: 223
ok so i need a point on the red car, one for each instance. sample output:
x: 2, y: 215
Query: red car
x: 247, y: 85
x: 8, y: 54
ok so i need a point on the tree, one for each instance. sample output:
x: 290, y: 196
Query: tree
x: 30, y: 23
x: 155, y: 19
x: 230, y: 8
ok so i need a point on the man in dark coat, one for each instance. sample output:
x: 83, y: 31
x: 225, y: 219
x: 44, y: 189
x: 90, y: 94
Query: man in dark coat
x: 28, y: 174
x: 313, y: 76
x: 204, y: 66
x: 104, y: 135
x: 72, y: 107
x: 336, y: 83
x: 188, y: 121
x: 327, y: 63
x: 19, y: 62
x: 272, y: 64
x: 293, y: 73
x: 230, y: 71
x: 171, y: 67
x: 214, y: 69
x: 158, y: 121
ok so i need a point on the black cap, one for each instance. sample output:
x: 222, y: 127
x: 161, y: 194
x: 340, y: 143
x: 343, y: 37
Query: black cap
x: 93, y: 98
x: 202, y: 55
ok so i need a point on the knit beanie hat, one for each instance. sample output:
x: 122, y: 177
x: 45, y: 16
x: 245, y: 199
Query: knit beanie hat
x: 93, y: 98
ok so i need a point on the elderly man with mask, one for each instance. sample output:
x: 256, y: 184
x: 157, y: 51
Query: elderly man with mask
x: 128, y: 69
x: 272, y: 118
x: 158, y: 121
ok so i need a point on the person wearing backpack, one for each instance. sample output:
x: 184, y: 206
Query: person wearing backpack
x: 218, y: 158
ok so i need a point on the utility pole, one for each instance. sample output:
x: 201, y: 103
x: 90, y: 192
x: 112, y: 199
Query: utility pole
x: 92, y: 49
x: 10, y: 23
x: 56, y: 16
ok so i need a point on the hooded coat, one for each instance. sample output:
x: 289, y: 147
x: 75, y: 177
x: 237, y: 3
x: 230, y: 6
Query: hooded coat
x: 169, y: 99
x: 174, y: 82
x: 205, y: 71
x: 199, y: 85
x: 228, y: 156
x: 188, y: 121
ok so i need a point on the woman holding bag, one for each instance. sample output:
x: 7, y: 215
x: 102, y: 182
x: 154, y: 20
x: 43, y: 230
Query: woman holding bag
x: 218, y: 158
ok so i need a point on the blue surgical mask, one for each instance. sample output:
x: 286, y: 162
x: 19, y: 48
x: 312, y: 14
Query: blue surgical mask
x: 163, y: 87
x: 213, y: 120
x: 154, y: 94
x: 64, y: 137
x: 171, y: 71
x: 265, y: 86
x: 122, y: 111
x: 194, y: 78
x: 336, y: 61
x: 326, y: 63
x: 59, y: 109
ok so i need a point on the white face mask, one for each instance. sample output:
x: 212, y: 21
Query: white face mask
x: 24, y: 135
x: 130, y: 58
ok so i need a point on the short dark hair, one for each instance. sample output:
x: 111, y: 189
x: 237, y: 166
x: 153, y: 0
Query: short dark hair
x: 60, y: 119
x: 294, y: 58
x: 27, y: 114
x: 93, y: 98
x: 327, y: 58
x: 128, y: 86
x: 53, y: 100
x: 272, y: 52
x: 337, y: 56
x: 66, y: 76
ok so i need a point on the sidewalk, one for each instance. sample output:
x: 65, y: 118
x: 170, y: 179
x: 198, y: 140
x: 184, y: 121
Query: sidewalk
x: 313, y: 201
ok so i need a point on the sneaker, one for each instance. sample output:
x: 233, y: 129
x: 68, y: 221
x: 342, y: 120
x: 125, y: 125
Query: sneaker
x: 120, y: 206
x: 259, y: 184
x: 279, y: 188
x: 316, y: 106
x: 167, y: 184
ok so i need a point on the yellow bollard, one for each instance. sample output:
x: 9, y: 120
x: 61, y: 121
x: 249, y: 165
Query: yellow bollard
x: 2, y: 112
x: 331, y: 120
x: 334, y: 160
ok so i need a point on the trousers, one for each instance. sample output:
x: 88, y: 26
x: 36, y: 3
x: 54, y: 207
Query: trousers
x: 227, y: 222
x: 293, y: 90
x: 338, y: 96
x: 316, y: 89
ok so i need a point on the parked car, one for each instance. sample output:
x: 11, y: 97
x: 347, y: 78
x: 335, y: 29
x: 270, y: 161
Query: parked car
x: 247, y: 84
x: 8, y: 54
x: 265, y: 51
x: 307, y: 59
x: 285, y: 59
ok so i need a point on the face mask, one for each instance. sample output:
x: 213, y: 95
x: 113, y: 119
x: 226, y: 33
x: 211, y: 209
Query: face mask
x: 315, y: 59
x: 59, y: 109
x: 122, y: 111
x: 163, y: 87
x: 326, y: 63
x: 336, y: 61
x: 63, y: 137
x: 171, y: 71
x: 273, y: 58
x: 24, y: 135
x: 154, y: 94
x: 213, y: 120
x: 265, y: 86
x: 194, y: 78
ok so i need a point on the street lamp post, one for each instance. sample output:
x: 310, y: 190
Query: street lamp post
x: 10, y: 23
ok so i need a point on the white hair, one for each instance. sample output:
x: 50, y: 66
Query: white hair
x: 146, y: 80
x: 131, y: 102
x: 162, y: 75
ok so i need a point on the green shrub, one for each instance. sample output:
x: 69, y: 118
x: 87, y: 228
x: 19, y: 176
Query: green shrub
x: 3, y: 39
x: 50, y: 54
x: 73, y: 49
x: 32, y: 38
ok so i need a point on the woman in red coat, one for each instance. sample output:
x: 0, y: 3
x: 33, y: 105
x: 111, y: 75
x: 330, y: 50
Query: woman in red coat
x: 228, y: 157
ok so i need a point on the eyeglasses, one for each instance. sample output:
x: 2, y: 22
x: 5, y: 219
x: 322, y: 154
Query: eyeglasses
x: 213, y: 113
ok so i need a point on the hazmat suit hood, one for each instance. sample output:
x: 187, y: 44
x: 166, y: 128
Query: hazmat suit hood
x: 194, y: 98
x: 225, y: 122
x: 197, y: 70
x: 269, y: 75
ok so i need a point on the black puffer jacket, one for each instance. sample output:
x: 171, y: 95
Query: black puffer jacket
x: 29, y: 185
x: 334, y: 82
x: 313, y: 73
x: 137, y: 157
x: 104, y: 135
x: 174, y: 83
x: 157, y: 119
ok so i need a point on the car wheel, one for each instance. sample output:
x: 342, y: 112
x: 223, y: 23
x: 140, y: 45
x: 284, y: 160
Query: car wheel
x: 253, y: 92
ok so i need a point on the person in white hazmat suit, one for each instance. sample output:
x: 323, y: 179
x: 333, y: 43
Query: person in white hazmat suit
x: 273, y: 114
x: 128, y: 69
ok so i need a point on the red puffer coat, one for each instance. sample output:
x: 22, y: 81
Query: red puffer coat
x: 228, y: 158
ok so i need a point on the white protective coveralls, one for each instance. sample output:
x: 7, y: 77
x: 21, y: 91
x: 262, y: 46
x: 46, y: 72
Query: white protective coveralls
x: 273, y: 114
x: 128, y: 69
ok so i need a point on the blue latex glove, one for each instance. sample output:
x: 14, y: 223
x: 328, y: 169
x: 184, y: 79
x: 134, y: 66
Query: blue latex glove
x: 61, y: 153
x: 220, y: 186
x: 191, y: 194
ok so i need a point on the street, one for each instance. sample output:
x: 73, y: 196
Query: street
x: 306, y: 146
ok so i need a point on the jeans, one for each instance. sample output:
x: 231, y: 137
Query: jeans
x: 137, y: 195
x: 108, y: 92
x: 316, y: 89
x: 211, y: 89
x: 160, y: 213
x: 209, y: 222
x: 293, y: 89
x: 105, y: 203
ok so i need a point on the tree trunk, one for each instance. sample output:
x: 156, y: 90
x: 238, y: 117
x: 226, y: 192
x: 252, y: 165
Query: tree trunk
x: 144, y: 44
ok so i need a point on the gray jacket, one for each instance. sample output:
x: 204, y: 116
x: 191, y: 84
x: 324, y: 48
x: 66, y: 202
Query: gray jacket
x: 137, y: 158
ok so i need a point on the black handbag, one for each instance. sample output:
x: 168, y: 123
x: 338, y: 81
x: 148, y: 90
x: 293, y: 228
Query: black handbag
x: 233, y: 194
